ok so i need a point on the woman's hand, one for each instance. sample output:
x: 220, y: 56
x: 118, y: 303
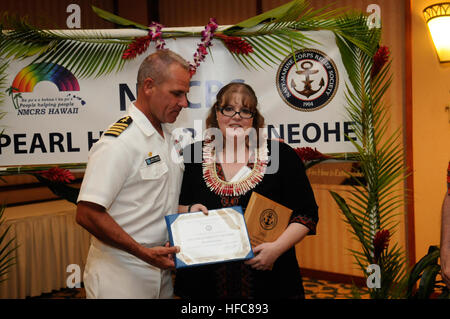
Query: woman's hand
x: 266, y: 255
x: 198, y: 208
x: 194, y: 208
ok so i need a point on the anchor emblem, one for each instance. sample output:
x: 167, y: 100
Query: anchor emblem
x: 268, y: 219
x: 307, y: 89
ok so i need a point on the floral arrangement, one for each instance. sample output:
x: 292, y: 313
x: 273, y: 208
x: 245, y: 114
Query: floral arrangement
x: 308, y: 154
x: 140, y: 45
x: 207, y: 35
x: 56, y: 179
x: 57, y: 175
x: 261, y: 40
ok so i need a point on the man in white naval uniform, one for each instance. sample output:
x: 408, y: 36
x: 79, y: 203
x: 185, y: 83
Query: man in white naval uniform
x: 130, y: 184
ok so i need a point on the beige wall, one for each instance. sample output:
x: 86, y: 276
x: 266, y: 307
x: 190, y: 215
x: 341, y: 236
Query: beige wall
x: 431, y: 130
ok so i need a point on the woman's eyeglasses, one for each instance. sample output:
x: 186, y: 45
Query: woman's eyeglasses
x: 243, y: 113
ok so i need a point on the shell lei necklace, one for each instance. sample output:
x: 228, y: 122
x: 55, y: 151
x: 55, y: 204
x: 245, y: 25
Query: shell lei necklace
x: 224, y: 188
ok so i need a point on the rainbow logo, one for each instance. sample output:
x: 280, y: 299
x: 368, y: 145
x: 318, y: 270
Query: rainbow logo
x: 32, y: 74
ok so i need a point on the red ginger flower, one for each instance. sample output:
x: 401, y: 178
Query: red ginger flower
x: 309, y: 154
x: 379, y: 60
x: 137, y: 47
x: 140, y: 45
x: 57, y: 174
x: 236, y: 45
x: 380, y: 243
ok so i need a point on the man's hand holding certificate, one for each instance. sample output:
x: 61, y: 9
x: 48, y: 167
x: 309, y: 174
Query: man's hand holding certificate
x: 217, y: 237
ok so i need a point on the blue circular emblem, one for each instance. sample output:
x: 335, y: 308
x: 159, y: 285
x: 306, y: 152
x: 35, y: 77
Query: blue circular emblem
x: 309, y: 81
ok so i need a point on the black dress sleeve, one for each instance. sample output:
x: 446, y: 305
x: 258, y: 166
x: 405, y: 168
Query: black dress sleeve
x: 192, y: 156
x: 296, y: 189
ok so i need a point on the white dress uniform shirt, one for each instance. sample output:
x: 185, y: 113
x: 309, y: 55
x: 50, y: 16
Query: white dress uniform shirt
x: 124, y: 176
x: 134, y: 176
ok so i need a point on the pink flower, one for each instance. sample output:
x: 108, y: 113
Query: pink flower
x: 140, y: 45
x: 192, y: 70
x: 57, y: 174
x: 212, y: 25
x: 202, y: 51
x: 200, y: 54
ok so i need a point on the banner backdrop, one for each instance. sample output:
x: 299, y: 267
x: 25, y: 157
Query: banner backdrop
x: 56, y: 117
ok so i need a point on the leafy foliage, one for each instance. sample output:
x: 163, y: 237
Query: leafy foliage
x: 279, y: 32
x: 3, y: 85
x: 273, y: 35
x: 60, y: 189
x: 372, y: 206
x: 425, y: 272
x: 85, y: 53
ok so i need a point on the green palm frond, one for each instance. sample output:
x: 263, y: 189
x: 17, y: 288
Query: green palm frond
x: 353, y: 31
x: 278, y: 33
x: 273, y: 35
x: 87, y: 53
x: 372, y: 206
x: 3, y: 84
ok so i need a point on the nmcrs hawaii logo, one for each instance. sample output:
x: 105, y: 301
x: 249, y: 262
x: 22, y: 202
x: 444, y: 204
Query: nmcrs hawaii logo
x: 62, y: 101
x: 28, y: 77
x: 308, y: 80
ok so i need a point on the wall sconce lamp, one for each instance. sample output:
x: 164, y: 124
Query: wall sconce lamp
x: 437, y: 17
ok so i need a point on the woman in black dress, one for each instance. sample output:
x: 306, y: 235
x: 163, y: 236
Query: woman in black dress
x: 227, y: 177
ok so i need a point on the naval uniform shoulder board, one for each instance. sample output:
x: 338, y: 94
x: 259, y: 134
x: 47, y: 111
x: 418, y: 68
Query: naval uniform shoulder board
x: 117, y: 128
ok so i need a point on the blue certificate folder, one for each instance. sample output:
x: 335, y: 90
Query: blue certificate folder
x: 220, y: 236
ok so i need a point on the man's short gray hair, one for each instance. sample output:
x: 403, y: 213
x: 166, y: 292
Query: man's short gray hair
x: 155, y: 66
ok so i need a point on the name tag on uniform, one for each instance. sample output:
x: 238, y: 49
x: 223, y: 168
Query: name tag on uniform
x: 152, y: 159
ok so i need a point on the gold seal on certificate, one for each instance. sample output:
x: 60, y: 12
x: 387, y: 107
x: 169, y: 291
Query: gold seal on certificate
x: 217, y: 237
x: 266, y: 219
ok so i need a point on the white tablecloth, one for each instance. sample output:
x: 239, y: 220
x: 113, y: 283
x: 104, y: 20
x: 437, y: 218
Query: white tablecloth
x: 49, y: 241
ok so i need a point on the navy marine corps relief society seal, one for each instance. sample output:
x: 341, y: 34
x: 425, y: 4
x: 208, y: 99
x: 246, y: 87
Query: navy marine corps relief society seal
x: 307, y: 80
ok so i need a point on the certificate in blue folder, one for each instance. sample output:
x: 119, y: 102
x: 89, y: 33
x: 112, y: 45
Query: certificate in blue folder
x: 220, y: 236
